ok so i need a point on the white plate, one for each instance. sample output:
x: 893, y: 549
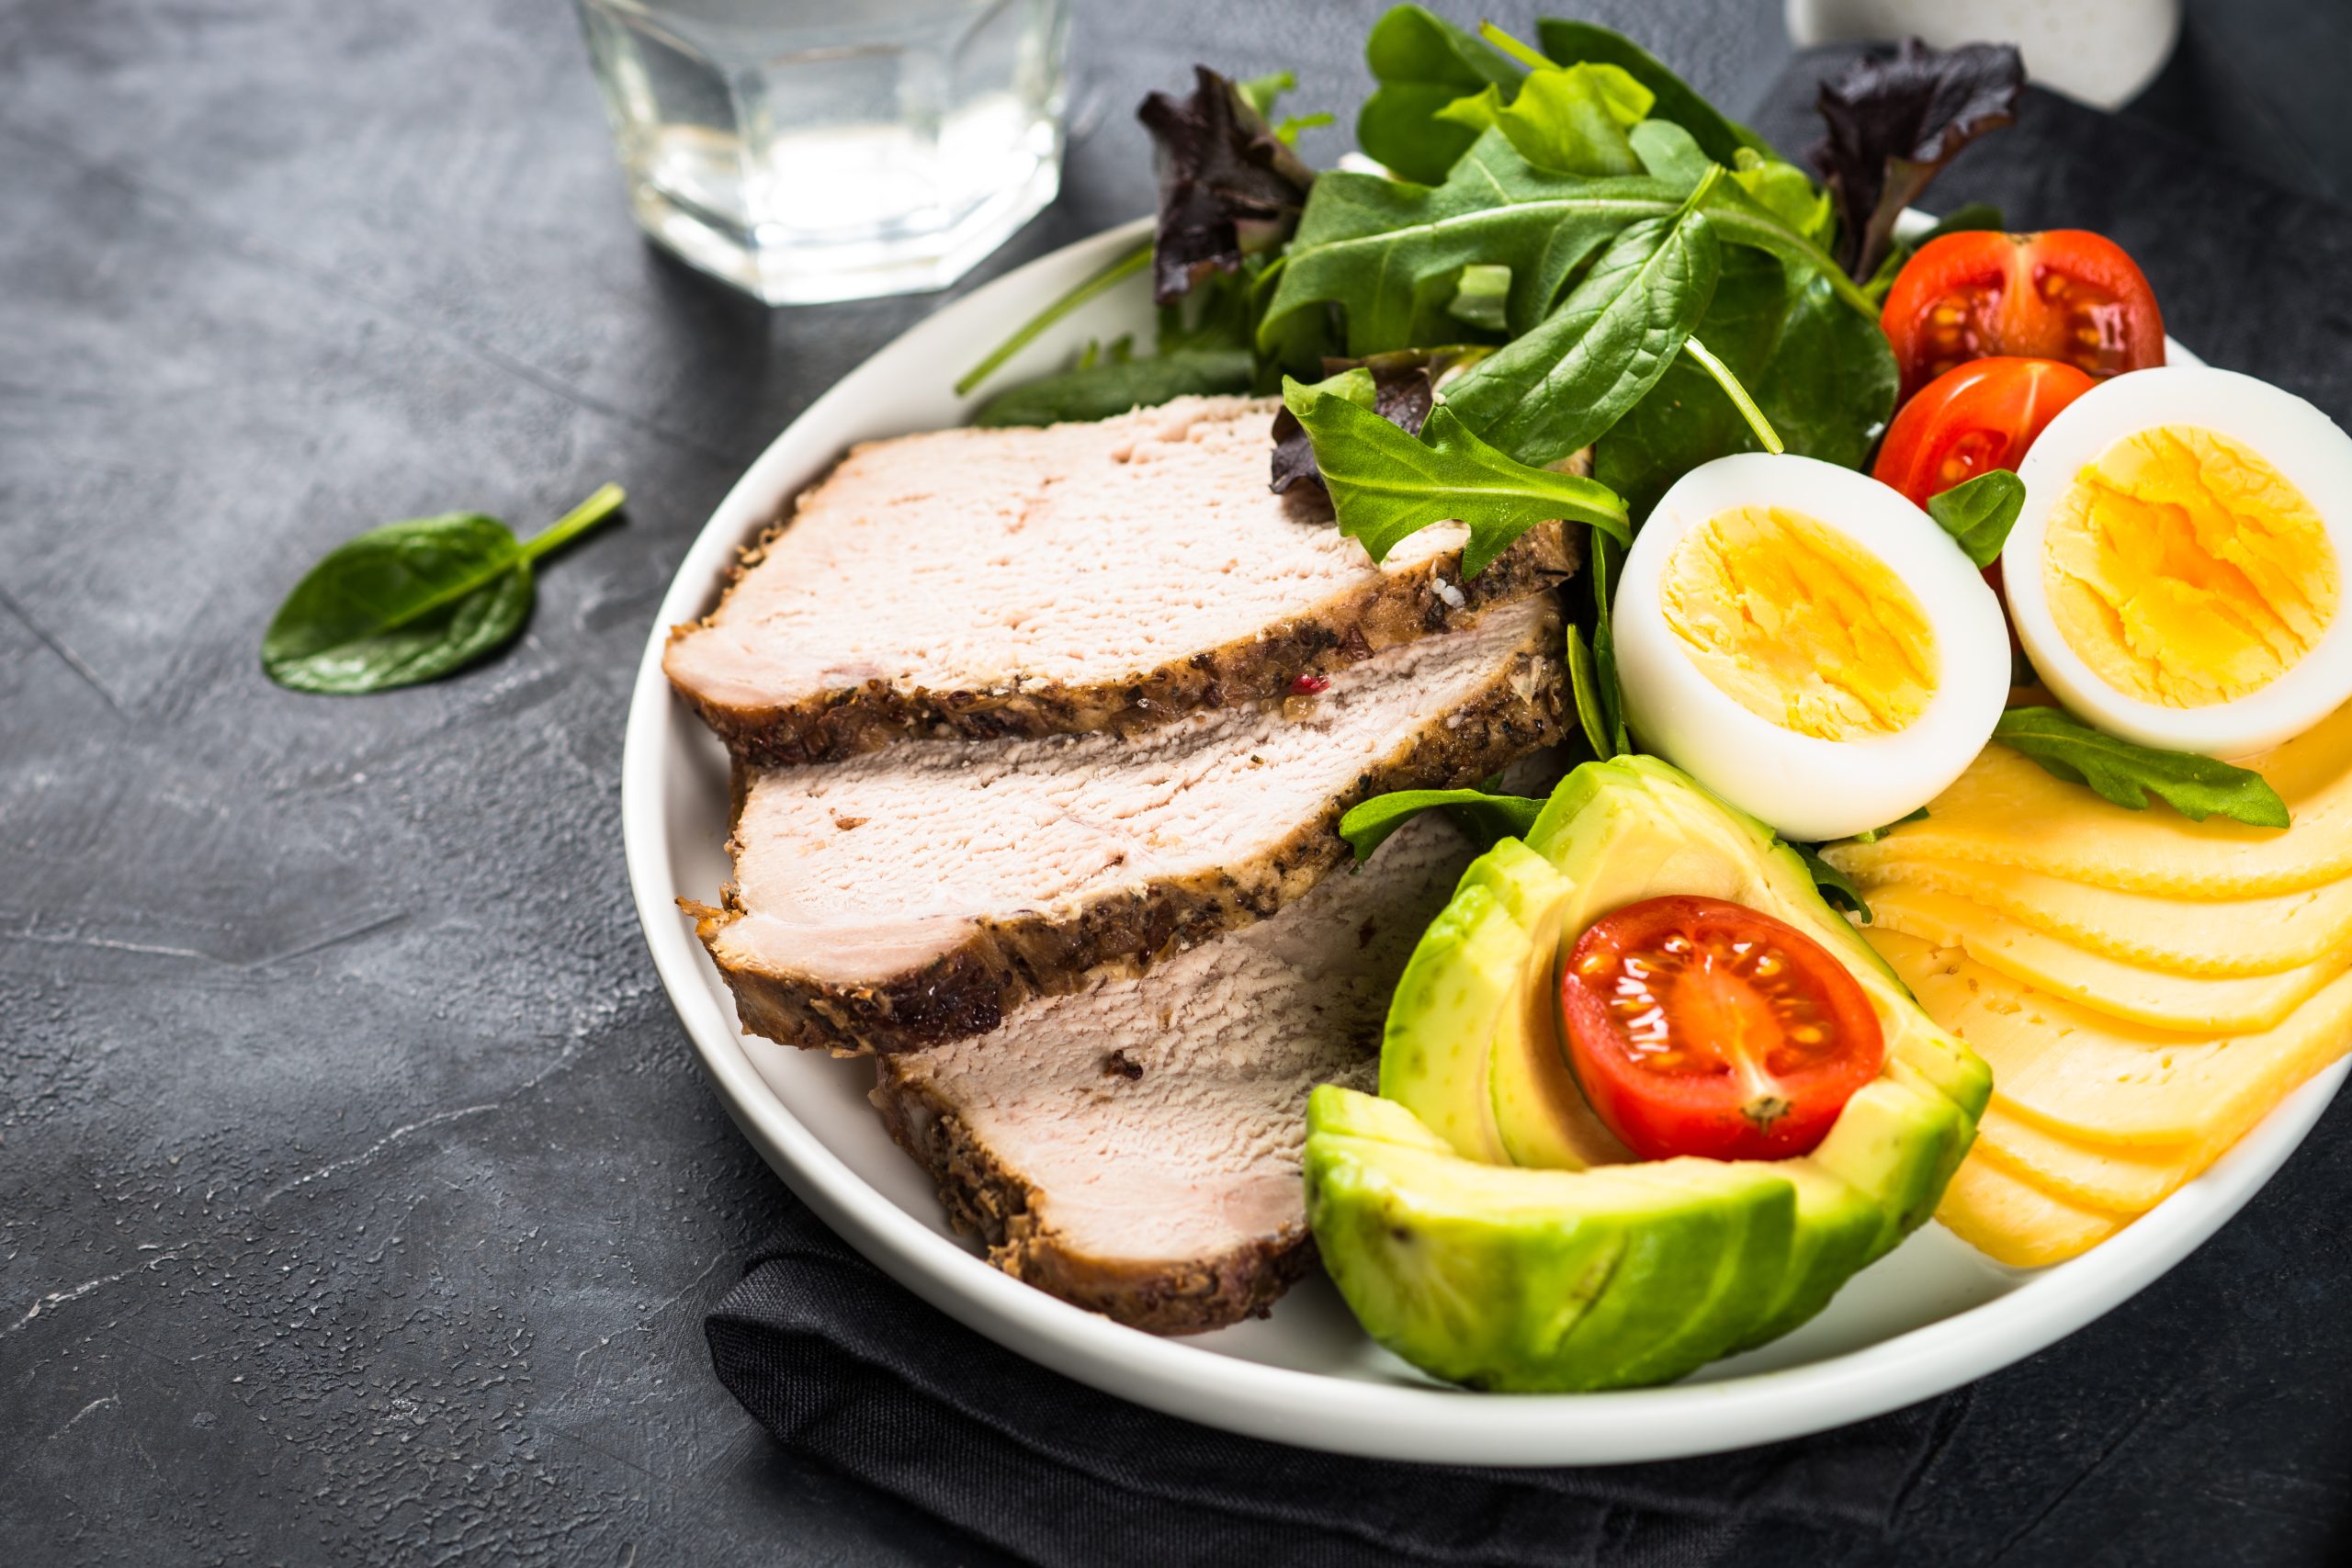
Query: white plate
x: 1931, y: 1317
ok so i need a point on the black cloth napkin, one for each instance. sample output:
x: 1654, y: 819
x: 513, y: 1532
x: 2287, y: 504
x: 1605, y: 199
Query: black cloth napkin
x: 848, y: 1369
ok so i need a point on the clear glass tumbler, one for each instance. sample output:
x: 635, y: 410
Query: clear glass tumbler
x: 813, y: 149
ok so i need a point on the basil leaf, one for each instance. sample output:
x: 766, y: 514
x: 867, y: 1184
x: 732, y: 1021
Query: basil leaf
x: 1980, y: 514
x: 2196, y: 786
x: 1556, y: 388
x: 1573, y: 119
x: 1114, y: 386
x: 1484, y: 817
x: 1386, y: 486
x: 1573, y: 43
x: 1837, y: 890
x: 1423, y: 62
x: 1373, y: 246
x: 413, y: 602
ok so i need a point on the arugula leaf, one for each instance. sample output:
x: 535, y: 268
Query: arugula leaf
x: 1369, y: 245
x: 1401, y: 387
x: 1386, y: 486
x: 1575, y: 43
x: 1895, y: 120
x: 1570, y: 119
x: 1555, y: 390
x: 1113, y: 386
x: 2196, y: 786
x: 1872, y: 835
x: 1423, y: 62
x: 1229, y: 186
x: 1483, y: 817
x: 414, y: 601
x: 1980, y: 514
x: 1837, y: 889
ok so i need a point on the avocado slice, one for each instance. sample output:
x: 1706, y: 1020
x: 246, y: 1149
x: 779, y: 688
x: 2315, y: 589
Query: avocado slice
x: 1485, y: 1227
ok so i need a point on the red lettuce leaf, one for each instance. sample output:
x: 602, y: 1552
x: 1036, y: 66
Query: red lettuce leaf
x: 1229, y: 186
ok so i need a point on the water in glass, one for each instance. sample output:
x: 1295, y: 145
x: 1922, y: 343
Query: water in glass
x: 805, y: 151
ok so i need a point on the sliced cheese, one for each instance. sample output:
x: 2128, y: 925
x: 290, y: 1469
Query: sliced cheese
x: 2187, y: 1003
x: 2107, y: 1082
x: 2126, y: 1180
x: 2005, y: 811
x: 2017, y: 1222
x: 2216, y: 936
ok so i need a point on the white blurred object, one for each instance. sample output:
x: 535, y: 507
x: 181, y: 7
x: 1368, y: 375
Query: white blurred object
x: 2102, y: 51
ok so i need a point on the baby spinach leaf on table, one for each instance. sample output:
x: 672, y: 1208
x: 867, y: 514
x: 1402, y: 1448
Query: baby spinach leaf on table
x: 1229, y: 186
x: 1572, y: 120
x: 1553, y: 390
x: 1111, y: 386
x: 1364, y: 244
x: 1895, y: 119
x: 1574, y: 44
x: 1837, y: 889
x: 1423, y: 62
x: 1482, y: 817
x: 1386, y: 485
x: 1980, y: 514
x: 413, y: 601
x: 2196, y: 786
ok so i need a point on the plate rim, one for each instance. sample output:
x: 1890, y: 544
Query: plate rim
x: 1358, y: 1417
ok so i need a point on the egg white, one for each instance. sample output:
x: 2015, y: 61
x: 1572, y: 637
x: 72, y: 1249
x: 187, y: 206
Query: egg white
x: 2302, y: 443
x: 1807, y: 788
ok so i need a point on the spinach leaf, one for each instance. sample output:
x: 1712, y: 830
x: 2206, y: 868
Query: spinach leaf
x: 413, y: 602
x: 1369, y: 245
x: 1386, y: 486
x: 1980, y: 514
x: 1837, y: 889
x: 1482, y: 817
x: 2197, y: 787
x: 1573, y: 43
x: 1423, y: 62
x: 1113, y: 386
x: 1229, y: 186
x: 1479, y: 297
x: 1557, y: 388
x: 1895, y: 120
x: 1572, y: 120
x: 1608, y: 560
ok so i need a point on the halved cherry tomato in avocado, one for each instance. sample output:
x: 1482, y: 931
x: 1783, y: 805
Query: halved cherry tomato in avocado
x: 1696, y: 1026
x: 2068, y: 295
x: 1980, y: 416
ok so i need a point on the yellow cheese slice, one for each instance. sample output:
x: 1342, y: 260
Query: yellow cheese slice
x: 2005, y: 811
x: 2123, y: 1180
x: 2217, y: 936
x: 2187, y: 1003
x: 2104, y: 1081
x: 2016, y: 1222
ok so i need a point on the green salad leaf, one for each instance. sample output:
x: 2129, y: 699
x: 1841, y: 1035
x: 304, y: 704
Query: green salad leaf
x: 2196, y: 786
x: 413, y: 601
x: 1872, y: 835
x: 1484, y: 817
x: 1386, y: 485
x: 1113, y: 386
x: 1422, y: 64
x: 1572, y: 118
x: 1837, y: 889
x: 1672, y: 99
x: 1979, y: 513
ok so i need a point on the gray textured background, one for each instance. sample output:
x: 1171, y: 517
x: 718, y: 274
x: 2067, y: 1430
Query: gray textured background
x: 358, y: 1196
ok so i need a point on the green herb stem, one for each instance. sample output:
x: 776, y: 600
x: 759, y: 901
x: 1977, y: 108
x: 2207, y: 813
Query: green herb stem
x: 1737, y: 394
x: 576, y: 521
x: 1516, y: 50
x: 1124, y: 266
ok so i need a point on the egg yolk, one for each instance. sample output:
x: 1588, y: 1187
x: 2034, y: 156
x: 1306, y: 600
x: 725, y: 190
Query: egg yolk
x: 2185, y: 570
x: 1799, y: 625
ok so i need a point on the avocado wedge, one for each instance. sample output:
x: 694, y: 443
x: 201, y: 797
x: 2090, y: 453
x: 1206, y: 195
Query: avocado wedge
x: 1481, y: 1222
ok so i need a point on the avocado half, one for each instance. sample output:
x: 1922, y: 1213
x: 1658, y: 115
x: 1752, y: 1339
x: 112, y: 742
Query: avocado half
x: 1485, y: 1226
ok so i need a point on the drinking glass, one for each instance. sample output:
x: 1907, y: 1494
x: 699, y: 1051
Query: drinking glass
x: 805, y: 151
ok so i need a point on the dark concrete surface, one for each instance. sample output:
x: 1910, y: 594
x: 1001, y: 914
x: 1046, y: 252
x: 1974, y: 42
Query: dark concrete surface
x: 359, y: 1199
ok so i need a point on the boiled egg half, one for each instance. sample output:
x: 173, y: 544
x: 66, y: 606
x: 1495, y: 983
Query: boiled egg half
x: 2178, y: 573
x: 1806, y: 643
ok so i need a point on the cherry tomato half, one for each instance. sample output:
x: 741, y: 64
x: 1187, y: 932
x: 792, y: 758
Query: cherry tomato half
x: 2067, y: 294
x: 1979, y: 416
x: 1700, y: 1027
